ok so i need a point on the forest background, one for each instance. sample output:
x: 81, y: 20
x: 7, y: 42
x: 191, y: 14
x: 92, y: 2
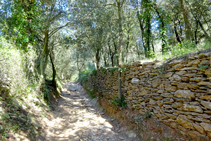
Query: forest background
x: 46, y: 42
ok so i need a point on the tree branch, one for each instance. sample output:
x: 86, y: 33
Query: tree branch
x: 57, y: 29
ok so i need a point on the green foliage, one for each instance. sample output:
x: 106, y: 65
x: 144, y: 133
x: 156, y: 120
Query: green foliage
x: 84, y: 75
x: 122, y: 69
x: 19, y: 88
x: 103, y: 70
x: 94, y: 72
x: 13, y: 71
x: 91, y: 93
x: 148, y: 115
x: 24, y: 27
x: 166, y: 138
x: 119, y: 102
x: 111, y: 70
x: 182, y: 49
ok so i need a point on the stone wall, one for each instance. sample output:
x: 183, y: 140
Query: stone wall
x: 178, y: 93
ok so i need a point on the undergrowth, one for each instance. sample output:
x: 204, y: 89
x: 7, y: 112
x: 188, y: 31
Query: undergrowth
x: 119, y: 102
x: 20, y: 91
x: 84, y: 75
x: 182, y: 49
x: 91, y: 93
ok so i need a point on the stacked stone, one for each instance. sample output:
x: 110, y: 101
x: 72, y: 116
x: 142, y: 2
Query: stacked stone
x: 178, y: 93
x: 179, y: 97
x: 105, y: 83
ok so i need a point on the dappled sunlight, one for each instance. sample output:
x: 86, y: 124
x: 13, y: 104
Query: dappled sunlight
x: 78, y: 117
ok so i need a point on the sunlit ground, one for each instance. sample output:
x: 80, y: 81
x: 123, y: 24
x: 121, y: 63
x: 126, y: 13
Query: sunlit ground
x: 78, y: 117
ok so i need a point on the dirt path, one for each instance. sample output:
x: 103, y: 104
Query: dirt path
x: 79, y: 118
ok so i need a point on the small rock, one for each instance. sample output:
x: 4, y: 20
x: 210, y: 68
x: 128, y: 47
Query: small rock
x: 206, y: 126
x: 198, y: 128
x: 192, y: 108
x: 168, y: 75
x: 206, y: 104
x: 181, y: 119
x: 184, y: 94
x: 131, y: 134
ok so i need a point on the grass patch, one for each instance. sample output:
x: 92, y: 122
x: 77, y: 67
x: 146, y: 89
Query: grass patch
x: 103, y: 70
x: 84, y: 75
x: 111, y: 70
x: 119, y: 102
x: 94, y: 72
x: 182, y: 49
x: 91, y: 93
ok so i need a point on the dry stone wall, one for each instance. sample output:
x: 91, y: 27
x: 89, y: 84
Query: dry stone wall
x: 178, y: 93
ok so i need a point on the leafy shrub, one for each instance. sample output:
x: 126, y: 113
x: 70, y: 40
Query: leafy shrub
x: 111, y: 70
x: 119, y: 102
x: 148, y: 115
x: 84, y: 75
x: 90, y: 92
x: 19, y: 86
x: 94, y: 72
x: 103, y: 70
x: 182, y: 49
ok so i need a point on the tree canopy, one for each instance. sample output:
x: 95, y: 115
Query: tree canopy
x: 75, y: 35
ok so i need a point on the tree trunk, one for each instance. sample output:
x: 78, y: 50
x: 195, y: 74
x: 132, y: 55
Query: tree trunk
x: 176, y: 33
x: 142, y: 33
x: 44, y: 55
x: 105, y: 61
x: 127, y: 47
x: 205, y: 33
x: 120, y: 31
x: 119, y: 6
x: 188, y: 32
x: 196, y: 39
x: 97, y: 58
x: 163, y: 37
x: 115, y: 53
x: 54, y: 72
x: 153, y: 48
x: 111, y: 55
x: 148, y: 38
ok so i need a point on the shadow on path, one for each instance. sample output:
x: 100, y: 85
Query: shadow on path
x: 80, y: 118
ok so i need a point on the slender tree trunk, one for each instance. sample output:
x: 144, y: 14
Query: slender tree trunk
x: 44, y: 55
x: 188, y: 32
x: 105, y: 61
x: 205, y: 33
x: 115, y: 54
x: 138, y: 52
x: 163, y: 37
x: 54, y: 72
x: 148, y: 38
x: 111, y: 55
x: 142, y: 33
x: 112, y: 60
x: 97, y: 58
x: 127, y: 47
x: 119, y: 6
x: 176, y: 33
x: 196, y: 31
x: 153, y: 48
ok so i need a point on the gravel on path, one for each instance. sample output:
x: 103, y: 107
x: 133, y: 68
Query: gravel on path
x: 78, y: 117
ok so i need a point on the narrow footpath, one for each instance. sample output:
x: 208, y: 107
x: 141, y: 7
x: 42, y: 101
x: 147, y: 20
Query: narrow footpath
x: 78, y: 117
